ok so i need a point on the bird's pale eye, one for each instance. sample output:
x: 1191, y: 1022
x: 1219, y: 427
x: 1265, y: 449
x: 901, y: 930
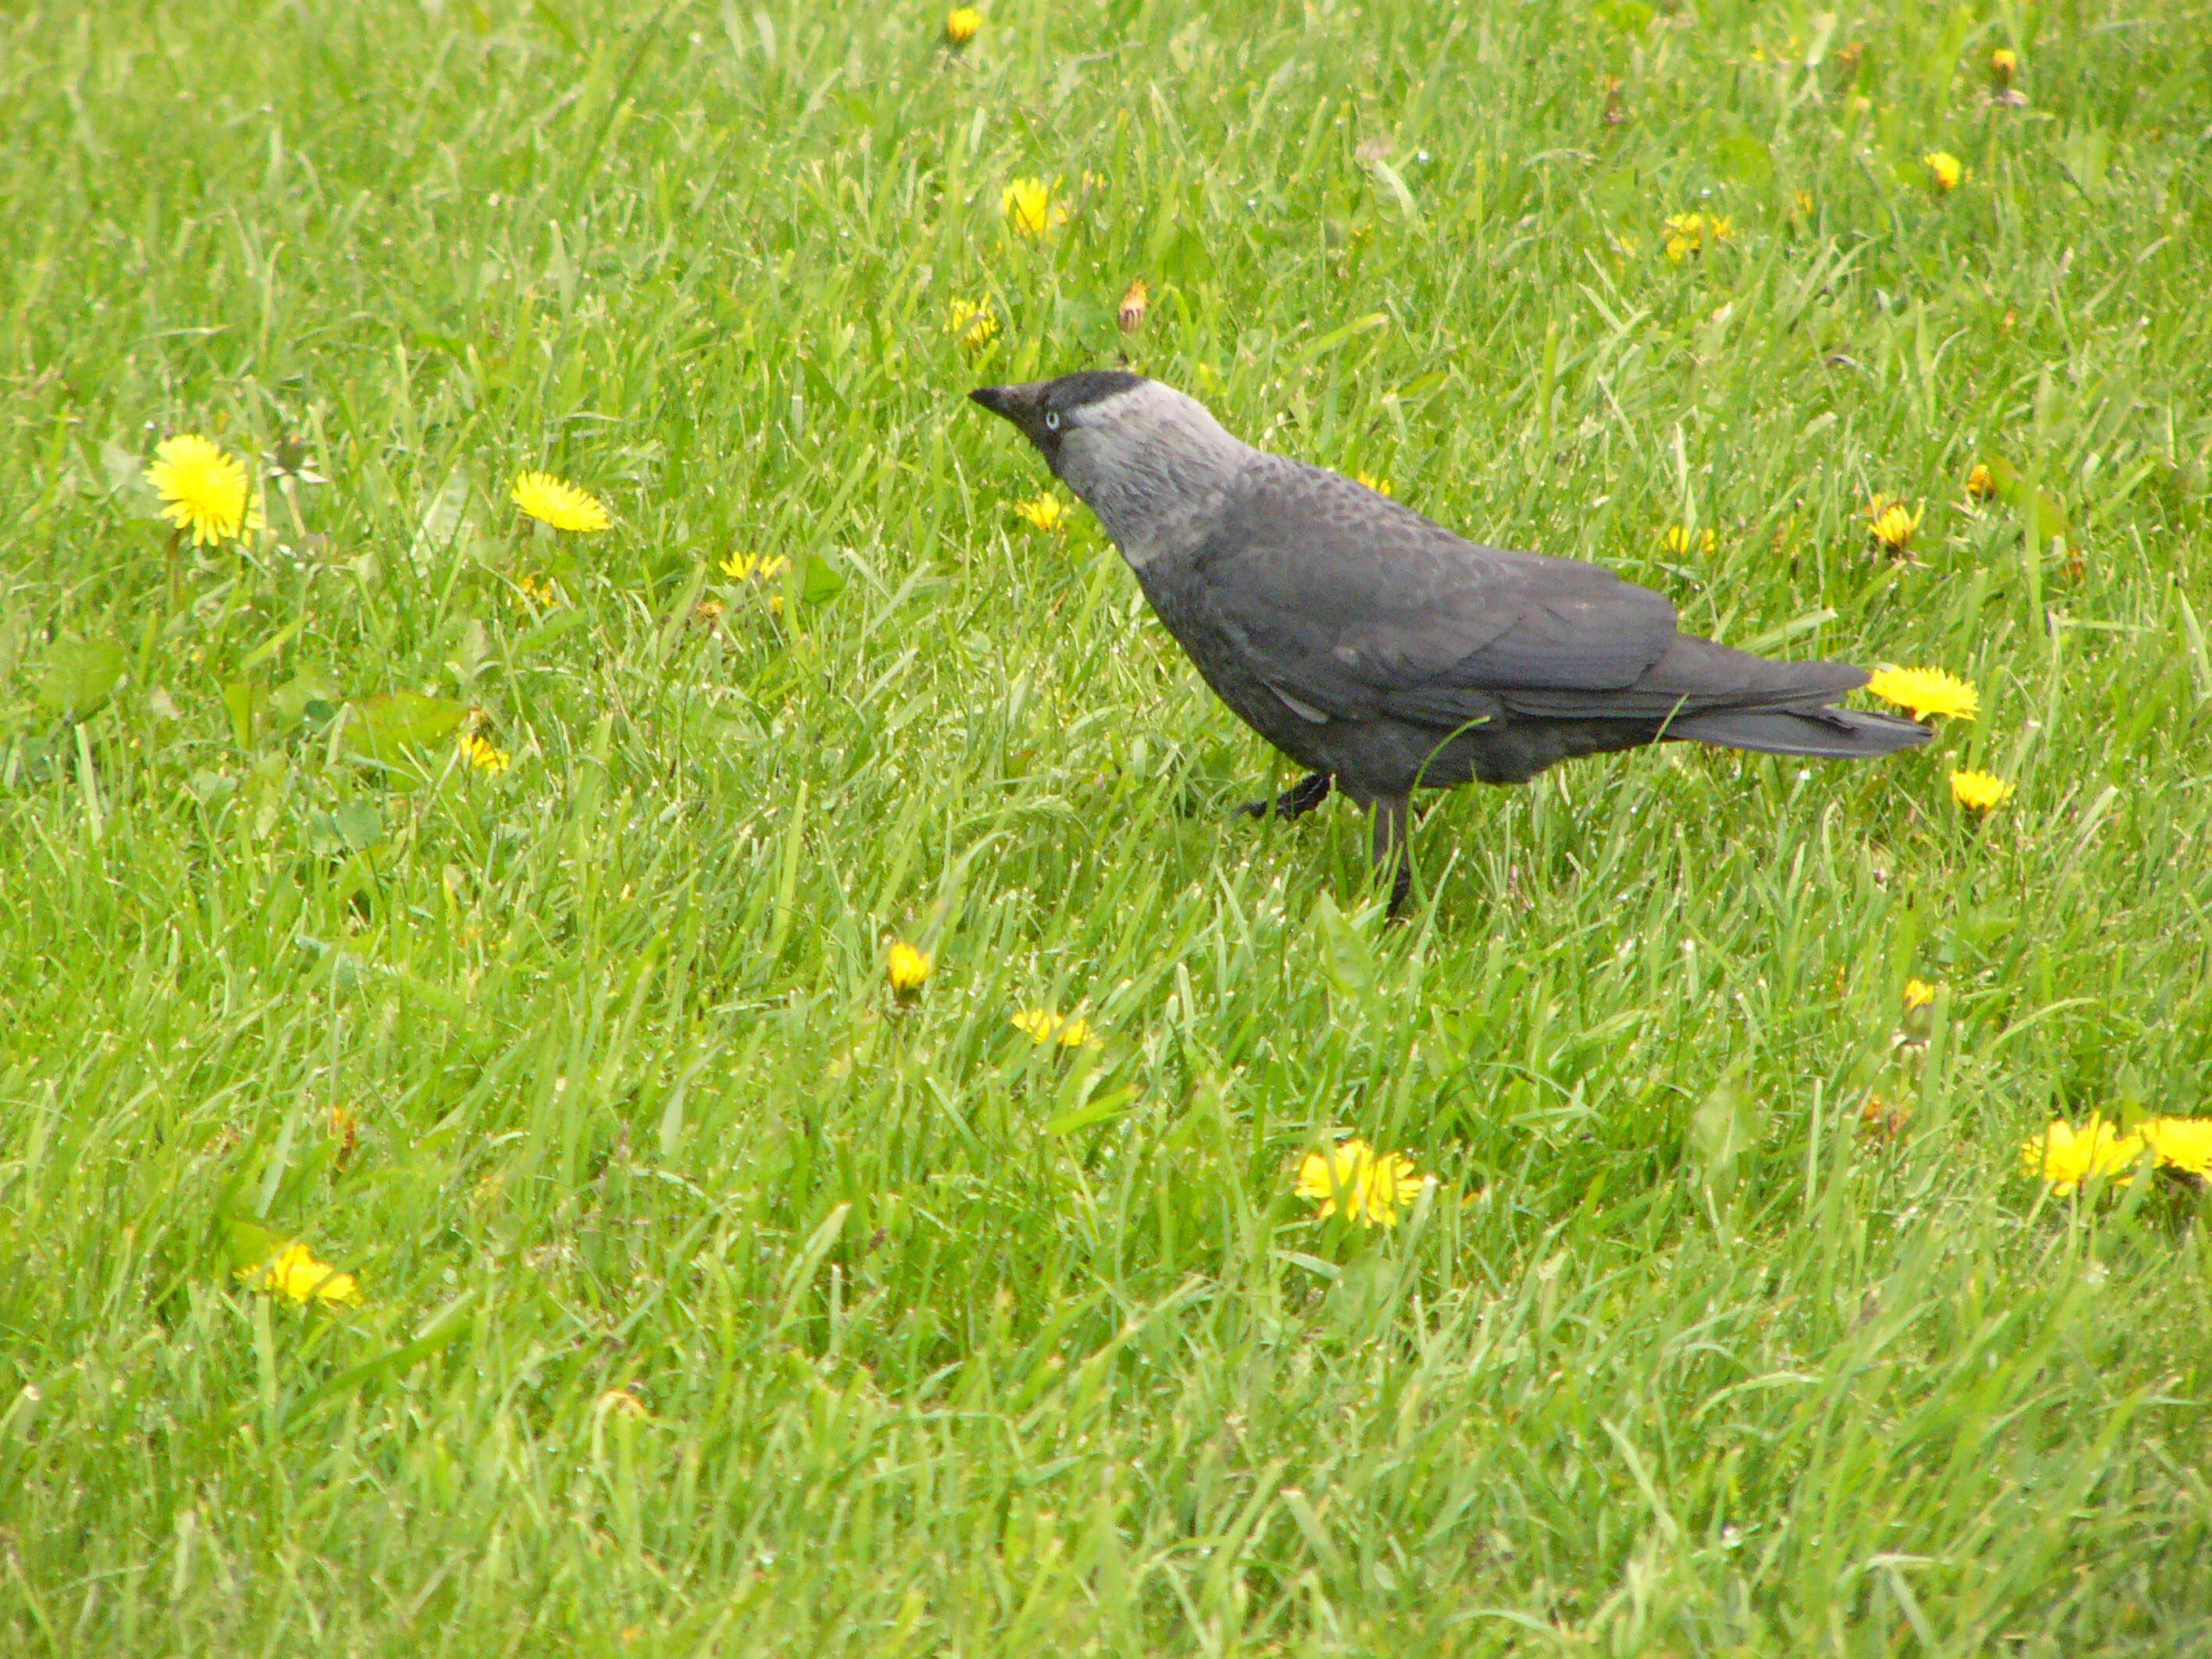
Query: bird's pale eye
x: 1052, y: 420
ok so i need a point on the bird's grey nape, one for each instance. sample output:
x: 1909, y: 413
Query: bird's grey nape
x: 1152, y: 464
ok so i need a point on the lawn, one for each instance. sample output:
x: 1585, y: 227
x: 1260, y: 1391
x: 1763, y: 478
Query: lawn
x: 468, y: 1184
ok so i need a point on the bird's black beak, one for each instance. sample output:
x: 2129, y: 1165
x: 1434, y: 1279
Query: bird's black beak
x: 1022, y: 404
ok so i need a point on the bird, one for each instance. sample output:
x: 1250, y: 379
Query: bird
x: 1381, y: 652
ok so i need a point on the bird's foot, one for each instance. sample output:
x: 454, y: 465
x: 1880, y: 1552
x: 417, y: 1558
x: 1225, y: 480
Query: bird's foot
x: 1295, y: 802
x: 1390, y: 848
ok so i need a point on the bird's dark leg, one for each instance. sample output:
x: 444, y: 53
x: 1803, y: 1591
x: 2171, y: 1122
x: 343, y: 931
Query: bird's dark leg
x: 1388, y: 847
x: 1295, y: 802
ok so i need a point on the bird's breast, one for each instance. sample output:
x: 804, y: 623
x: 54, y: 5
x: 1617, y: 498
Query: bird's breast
x: 1171, y: 588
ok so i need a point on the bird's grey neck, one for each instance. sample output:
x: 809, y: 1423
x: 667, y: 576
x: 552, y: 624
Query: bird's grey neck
x: 1159, y: 486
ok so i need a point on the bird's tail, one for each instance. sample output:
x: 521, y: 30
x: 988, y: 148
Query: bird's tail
x: 1836, y: 733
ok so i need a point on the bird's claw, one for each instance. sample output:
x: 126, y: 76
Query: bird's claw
x: 1295, y: 802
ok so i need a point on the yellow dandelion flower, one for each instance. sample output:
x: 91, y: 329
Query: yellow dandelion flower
x: 961, y: 24
x: 535, y: 590
x: 1918, y: 994
x: 752, y: 567
x: 2181, y: 1143
x: 1980, y: 485
x: 557, y: 501
x: 1130, y: 316
x: 1380, y: 486
x: 294, y: 1271
x: 1685, y: 234
x: 1927, y: 692
x: 1676, y: 540
x: 760, y: 572
x: 708, y: 612
x: 2004, y: 63
x: 1028, y: 206
x: 973, y: 326
x: 1045, y: 1028
x: 1047, y: 513
x: 1979, y: 791
x: 202, y: 489
x: 2066, y: 1156
x: 1943, y: 170
x: 908, y: 967
x: 480, y: 753
x: 1691, y: 233
x: 1370, y: 1190
x: 1892, y: 523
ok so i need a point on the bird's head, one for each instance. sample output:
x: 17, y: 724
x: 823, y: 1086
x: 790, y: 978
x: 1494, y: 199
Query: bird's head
x: 1144, y: 458
x: 1051, y: 414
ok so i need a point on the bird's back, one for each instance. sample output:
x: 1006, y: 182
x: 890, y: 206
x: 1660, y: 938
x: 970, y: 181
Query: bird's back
x: 1366, y: 598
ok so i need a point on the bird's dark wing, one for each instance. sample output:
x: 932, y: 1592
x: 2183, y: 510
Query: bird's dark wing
x: 1356, y: 607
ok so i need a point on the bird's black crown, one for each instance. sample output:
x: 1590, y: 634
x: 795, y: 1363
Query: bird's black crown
x: 1090, y: 386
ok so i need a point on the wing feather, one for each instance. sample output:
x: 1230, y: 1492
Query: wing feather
x: 1357, y: 607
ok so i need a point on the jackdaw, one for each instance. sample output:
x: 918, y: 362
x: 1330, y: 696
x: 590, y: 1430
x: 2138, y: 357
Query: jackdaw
x: 1380, y: 651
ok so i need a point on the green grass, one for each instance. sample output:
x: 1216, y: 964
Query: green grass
x: 714, y: 1304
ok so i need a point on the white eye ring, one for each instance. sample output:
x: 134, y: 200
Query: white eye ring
x: 1052, y: 420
